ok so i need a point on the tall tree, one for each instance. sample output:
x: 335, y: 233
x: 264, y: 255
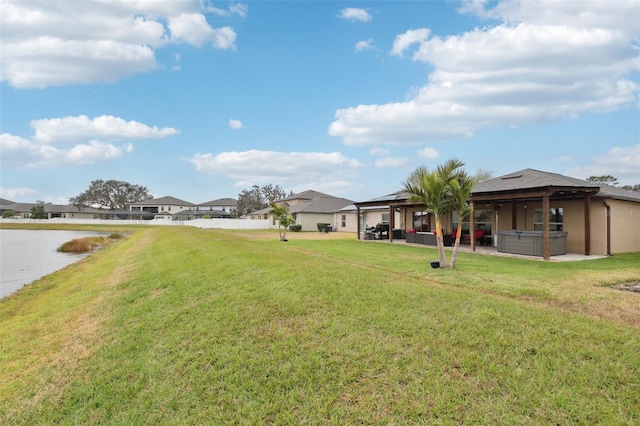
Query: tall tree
x: 281, y: 214
x: 635, y: 187
x: 258, y: 198
x: 37, y: 212
x: 111, y: 194
x: 433, y: 189
x: 604, y: 179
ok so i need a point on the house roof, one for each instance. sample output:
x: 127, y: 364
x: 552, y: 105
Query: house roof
x: 530, y: 179
x: 304, y: 195
x: 200, y: 213
x: 220, y: 202
x: 163, y: 200
x: 523, y: 181
x: 351, y: 208
x: 60, y: 208
x: 266, y: 210
x: 4, y: 201
x: 19, y: 207
x: 323, y: 204
x: 614, y: 192
x: 394, y: 197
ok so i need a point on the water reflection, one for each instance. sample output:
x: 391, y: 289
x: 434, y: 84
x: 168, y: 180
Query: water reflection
x: 27, y: 255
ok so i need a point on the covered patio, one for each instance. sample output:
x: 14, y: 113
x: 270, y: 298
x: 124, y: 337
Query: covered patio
x: 524, y: 202
x: 556, y: 215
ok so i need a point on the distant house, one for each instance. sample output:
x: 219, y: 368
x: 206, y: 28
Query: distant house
x: 67, y: 211
x: 221, y: 204
x: 260, y: 214
x: 310, y: 208
x: 166, y: 205
x: 4, y: 202
x: 164, y: 208
x: 192, y: 214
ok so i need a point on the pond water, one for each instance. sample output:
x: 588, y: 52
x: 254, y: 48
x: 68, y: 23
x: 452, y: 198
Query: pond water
x: 27, y: 255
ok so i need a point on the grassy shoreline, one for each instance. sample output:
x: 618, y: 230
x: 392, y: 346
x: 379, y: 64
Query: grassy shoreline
x: 188, y: 326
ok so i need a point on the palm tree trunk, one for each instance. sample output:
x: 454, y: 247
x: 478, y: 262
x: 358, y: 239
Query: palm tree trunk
x: 454, y: 255
x: 440, y: 242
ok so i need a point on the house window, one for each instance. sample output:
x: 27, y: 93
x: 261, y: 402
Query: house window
x: 385, y: 217
x: 556, y: 216
x: 343, y: 220
x: 482, y: 218
x: 169, y: 208
x: 421, y: 221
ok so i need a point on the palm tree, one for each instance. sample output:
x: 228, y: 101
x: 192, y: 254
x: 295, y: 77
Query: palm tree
x: 460, y: 188
x: 433, y: 189
x: 281, y: 214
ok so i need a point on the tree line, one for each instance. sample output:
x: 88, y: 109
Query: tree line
x: 119, y: 195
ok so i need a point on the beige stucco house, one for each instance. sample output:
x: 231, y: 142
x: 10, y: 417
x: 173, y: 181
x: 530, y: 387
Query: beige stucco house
x: 593, y: 219
x: 226, y: 205
x: 53, y: 211
x: 310, y: 208
x: 163, y: 205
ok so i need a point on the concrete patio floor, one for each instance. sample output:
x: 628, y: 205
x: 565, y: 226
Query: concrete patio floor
x: 493, y: 251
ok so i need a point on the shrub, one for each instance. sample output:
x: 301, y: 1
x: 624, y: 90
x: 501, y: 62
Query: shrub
x: 295, y: 228
x: 83, y: 245
x: 8, y: 213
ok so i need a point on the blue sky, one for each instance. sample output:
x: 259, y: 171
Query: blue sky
x: 200, y: 99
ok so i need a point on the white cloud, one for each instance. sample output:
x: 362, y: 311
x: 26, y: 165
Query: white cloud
x: 392, y: 162
x: 194, y: 29
x: 239, y: 9
x: 403, y: 41
x: 565, y: 158
x: 364, y: 45
x: 428, y: 153
x: 259, y: 167
x: 72, y: 141
x: 621, y: 162
x: 236, y: 124
x: 355, y: 14
x: 544, y: 62
x: 379, y: 151
x: 74, y: 128
x: 61, y: 43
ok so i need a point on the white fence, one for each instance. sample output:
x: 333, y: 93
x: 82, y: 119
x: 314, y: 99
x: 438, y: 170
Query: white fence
x: 198, y: 223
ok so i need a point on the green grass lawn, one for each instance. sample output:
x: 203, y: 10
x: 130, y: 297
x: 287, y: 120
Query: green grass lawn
x: 177, y: 325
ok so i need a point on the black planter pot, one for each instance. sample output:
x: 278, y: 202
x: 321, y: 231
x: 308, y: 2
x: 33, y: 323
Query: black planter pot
x: 435, y: 264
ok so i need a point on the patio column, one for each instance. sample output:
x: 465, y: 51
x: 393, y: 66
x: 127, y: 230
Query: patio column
x: 545, y: 227
x: 514, y: 214
x: 392, y: 223
x: 587, y: 225
x: 358, y: 221
x: 472, y: 227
